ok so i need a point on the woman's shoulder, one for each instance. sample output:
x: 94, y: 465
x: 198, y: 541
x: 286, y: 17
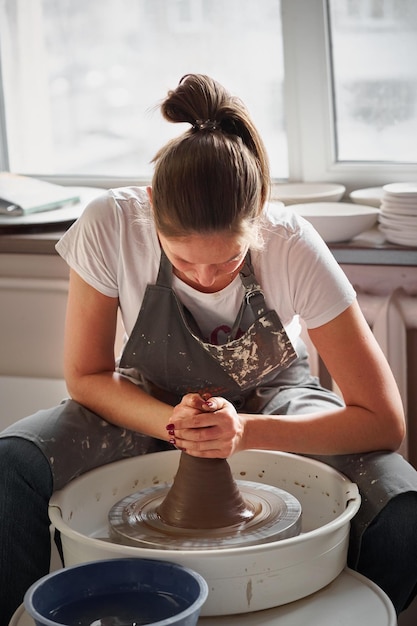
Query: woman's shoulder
x: 125, y: 201
x: 118, y: 212
x: 132, y: 195
x: 112, y: 218
x: 282, y: 220
x: 285, y: 231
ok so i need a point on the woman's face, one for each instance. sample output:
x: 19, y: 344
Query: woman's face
x: 206, y: 262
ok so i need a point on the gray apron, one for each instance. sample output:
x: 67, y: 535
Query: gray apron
x: 175, y: 359
x: 258, y: 370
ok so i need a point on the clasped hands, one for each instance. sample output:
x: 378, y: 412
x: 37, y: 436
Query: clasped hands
x: 206, y: 426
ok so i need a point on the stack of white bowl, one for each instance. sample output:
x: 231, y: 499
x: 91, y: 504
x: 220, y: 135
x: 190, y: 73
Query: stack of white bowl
x: 398, y: 216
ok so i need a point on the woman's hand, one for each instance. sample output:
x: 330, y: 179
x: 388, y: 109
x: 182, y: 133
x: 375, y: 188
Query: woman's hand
x: 206, y: 427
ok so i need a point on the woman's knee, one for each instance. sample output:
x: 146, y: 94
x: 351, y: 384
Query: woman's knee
x: 395, y: 528
x: 388, y: 552
x: 23, y: 465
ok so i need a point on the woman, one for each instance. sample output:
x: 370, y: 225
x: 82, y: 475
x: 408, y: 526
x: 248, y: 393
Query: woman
x: 211, y: 283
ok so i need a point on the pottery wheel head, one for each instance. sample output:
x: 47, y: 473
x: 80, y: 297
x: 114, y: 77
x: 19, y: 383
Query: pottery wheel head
x: 135, y: 521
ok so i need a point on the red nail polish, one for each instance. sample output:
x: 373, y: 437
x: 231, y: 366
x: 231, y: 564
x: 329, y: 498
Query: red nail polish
x: 169, y: 426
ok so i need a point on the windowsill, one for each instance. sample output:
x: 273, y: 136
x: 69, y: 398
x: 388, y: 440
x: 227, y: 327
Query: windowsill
x: 29, y: 243
x: 369, y: 248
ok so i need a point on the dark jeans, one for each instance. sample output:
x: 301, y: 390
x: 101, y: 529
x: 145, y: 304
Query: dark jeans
x: 388, y: 551
x: 388, y: 554
x: 25, y: 489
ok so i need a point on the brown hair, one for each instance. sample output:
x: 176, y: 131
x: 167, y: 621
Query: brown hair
x: 215, y: 176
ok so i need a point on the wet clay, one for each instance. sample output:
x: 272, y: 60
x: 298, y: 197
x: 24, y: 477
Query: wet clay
x: 204, y: 494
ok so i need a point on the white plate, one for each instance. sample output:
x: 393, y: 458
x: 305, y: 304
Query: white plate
x: 338, y: 221
x: 408, y: 201
x: 392, y: 207
x: 400, y: 238
x: 67, y: 214
x: 399, y: 222
x: 371, y: 196
x: 293, y: 193
x: 401, y: 189
x: 395, y: 231
x: 405, y: 234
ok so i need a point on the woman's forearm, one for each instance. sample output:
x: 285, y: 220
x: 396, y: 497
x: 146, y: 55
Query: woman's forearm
x: 339, y: 431
x: 121, y: 402
x: 212, y: 428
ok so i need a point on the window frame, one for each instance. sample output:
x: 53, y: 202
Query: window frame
x: 4, y: 154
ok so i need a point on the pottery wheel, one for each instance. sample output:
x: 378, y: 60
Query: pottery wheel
x: 135, y: 521
x: 205, y: 508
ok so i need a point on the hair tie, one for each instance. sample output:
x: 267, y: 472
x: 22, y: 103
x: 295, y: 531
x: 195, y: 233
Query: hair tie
x: 206, y: 125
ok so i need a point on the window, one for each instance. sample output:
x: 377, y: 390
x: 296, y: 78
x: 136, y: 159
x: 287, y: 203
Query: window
x: 340, y: 128
x: 82, y: 78
x: 331, y: 84
x: 374, y: 52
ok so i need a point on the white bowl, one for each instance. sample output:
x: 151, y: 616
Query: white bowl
x: 371, y: 196
x: 338, y: 221
x: 240, y: 579
x: 293, y: 193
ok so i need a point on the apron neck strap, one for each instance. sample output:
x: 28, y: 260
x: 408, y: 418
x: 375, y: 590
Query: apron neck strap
x: 164, y: 278
x: 253, y: 293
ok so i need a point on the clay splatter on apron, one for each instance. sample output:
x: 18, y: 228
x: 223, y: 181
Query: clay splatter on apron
x: 263, y: 349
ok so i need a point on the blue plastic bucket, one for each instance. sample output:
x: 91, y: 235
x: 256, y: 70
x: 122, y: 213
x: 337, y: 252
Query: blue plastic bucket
x: 118, y: 592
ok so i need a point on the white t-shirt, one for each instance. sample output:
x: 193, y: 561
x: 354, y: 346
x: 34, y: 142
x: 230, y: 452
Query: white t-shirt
x: 114, y: 247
